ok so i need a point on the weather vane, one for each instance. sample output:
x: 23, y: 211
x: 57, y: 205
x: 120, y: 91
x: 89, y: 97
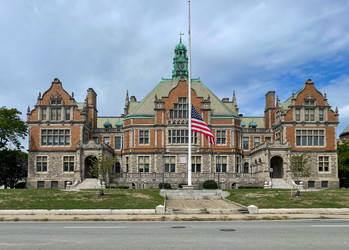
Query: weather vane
x: 180, y: 35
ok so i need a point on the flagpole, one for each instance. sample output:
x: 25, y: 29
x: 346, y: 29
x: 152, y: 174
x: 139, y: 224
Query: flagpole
x: 189, y: 99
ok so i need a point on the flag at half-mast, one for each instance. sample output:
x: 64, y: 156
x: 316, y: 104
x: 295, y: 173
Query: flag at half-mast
x: 198, y: 125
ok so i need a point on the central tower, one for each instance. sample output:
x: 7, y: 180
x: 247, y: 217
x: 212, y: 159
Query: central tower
x: 180, y: 61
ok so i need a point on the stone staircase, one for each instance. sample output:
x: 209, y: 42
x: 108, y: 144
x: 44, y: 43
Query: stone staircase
x: 88, y: 183
x: 279, y: 183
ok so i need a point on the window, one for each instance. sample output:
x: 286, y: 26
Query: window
x: 309, y: 102
x: 324, y: 163
x: 117, y: 167
x: 237, y: 167
x: 41, y: 164
x: 221, y: 164
x: 245, y: 143
x: 117, y: 142
x: 257, y: 141
x: 180, y: 136
x: 170, y: 164
x: 143, y: 137
x: 221, y: 137
x: 54, y: 184
x: 180, y: 109
x: 196, y: 164
x: 126, y: 165
x: 311, y: 184
x: 298, y: 114
x: 106, y: 140
x: 324, y: 184
x: 321, y: 115
x: 55, y: 137
x: 67, y: 114
x: 309, y: 114
x: 143, y: 164
x: 44, y: 114
x: 246, y: 168
x: 56, y: 114
x: 268, y: 139
x: 41, y: 184
x: 96, y: 139
x: 118, y: 128
x: 309, y: 137
x: 68, y: 163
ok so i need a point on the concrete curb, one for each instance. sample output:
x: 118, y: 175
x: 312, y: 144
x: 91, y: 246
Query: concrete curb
x: 79, y: 212
x: 343, y: 211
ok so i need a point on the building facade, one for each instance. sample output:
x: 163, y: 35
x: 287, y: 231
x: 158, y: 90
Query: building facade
x: 149, y: 140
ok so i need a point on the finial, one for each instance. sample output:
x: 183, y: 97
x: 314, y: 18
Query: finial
x: 325, y: 96
x: 234, y: 98
x: 336, y: 112
x: 180, y: 36
x: 72, y: 94
x: 28, y: 110
x: 39, y: 95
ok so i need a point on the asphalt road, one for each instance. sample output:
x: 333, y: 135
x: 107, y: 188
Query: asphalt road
x: 293, y: 234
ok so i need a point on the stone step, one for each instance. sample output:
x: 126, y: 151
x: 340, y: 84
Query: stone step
x: 88, y: 183
x: 279, y: 183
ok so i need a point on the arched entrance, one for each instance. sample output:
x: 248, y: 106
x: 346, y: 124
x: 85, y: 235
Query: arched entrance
x: 88, y: 163
x: 276, y: 163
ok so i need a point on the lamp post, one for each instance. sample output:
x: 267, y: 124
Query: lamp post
x: 163, y: 172
x: 218, y: 167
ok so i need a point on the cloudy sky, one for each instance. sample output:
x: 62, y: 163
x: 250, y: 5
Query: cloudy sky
x: 112, y: 46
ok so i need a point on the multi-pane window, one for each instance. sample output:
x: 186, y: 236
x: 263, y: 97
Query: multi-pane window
x: 324, y: 184
x: 106, y: 140
x: 180, y: 109
x: 56, y: 102
x: 143, y: 137
x: 324, y: 163
x: 256, y: 141
x: 237, y: 166
x: 321, y: 115
x: 56, y: 114
x: 170, y: 164
x: 311, y: 184
x: 221, y: 164
x: 68, y: 163
x: 196, y: 164
x: 67, y: 114
x: 143, y: 164
x: 180, y: 136
x: 309, y: 137
x: 41, y: 184
x: 298, y: 114
x: 43, y: 114
x: 117, y: 142
x: 55, y: 137
x: 309, y: 115
x: 41, y: 164
x: 54, y: 184
x: 245, y: 143
x: 126, y: 164
x: 221, y: 137
x: 118, y: 128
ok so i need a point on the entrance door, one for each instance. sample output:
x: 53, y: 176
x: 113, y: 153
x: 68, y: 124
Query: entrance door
x: 88, y: 163
x: 276, y: 163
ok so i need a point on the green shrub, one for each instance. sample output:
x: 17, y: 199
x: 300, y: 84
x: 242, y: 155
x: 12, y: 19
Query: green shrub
x: 209, y: 184
x: 180, y: 185
x: 250, y: 187
x: 166, y: 185
x: 122, y: 187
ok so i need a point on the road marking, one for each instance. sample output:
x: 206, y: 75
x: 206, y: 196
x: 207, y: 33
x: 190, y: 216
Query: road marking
x: 329, y: 225
x: 86, y: 227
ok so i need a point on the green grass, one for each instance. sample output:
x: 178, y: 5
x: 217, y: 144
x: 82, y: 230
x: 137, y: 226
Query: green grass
x: 150, y: 198
x: 271, y: 198
x: 87, y: 199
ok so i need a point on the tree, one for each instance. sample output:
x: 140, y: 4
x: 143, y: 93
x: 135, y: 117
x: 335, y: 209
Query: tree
x: 13, y: 167
x: 11, y: 127
x: 300, y: 166
x: 102, y: 166
x: 343, y: 163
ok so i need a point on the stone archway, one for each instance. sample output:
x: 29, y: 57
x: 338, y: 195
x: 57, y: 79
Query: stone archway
x: 88, y: 163
x: 276, y: 163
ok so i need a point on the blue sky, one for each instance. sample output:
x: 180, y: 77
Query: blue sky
x: 112, y: 46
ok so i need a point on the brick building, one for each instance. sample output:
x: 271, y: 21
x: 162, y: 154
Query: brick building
x: 150, y: 138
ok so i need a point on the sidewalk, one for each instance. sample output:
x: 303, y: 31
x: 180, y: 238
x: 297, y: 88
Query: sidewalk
x: 150, y: 215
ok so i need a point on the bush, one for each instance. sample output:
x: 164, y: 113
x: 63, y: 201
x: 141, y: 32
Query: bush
x: 166, y: 185
x: 20, y: 185
x: 209, y: 184
x: 250, y: 187
x: 180, y: 185
x: 122, y: 187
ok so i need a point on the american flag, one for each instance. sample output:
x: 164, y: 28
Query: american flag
x: 198, y: 125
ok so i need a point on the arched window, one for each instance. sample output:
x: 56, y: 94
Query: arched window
x: 246, y: 165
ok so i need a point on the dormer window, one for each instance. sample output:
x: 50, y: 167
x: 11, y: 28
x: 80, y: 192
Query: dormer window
x: 309, y: 101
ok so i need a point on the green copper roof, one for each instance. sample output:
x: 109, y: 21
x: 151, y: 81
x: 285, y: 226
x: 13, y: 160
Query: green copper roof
x: 118, y: 123
x: 101, y: 120
x: 257, y: 120
x: 163, y: 89
x: 243, y: 124
x: 252, y: 124
x: 107, y: 124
